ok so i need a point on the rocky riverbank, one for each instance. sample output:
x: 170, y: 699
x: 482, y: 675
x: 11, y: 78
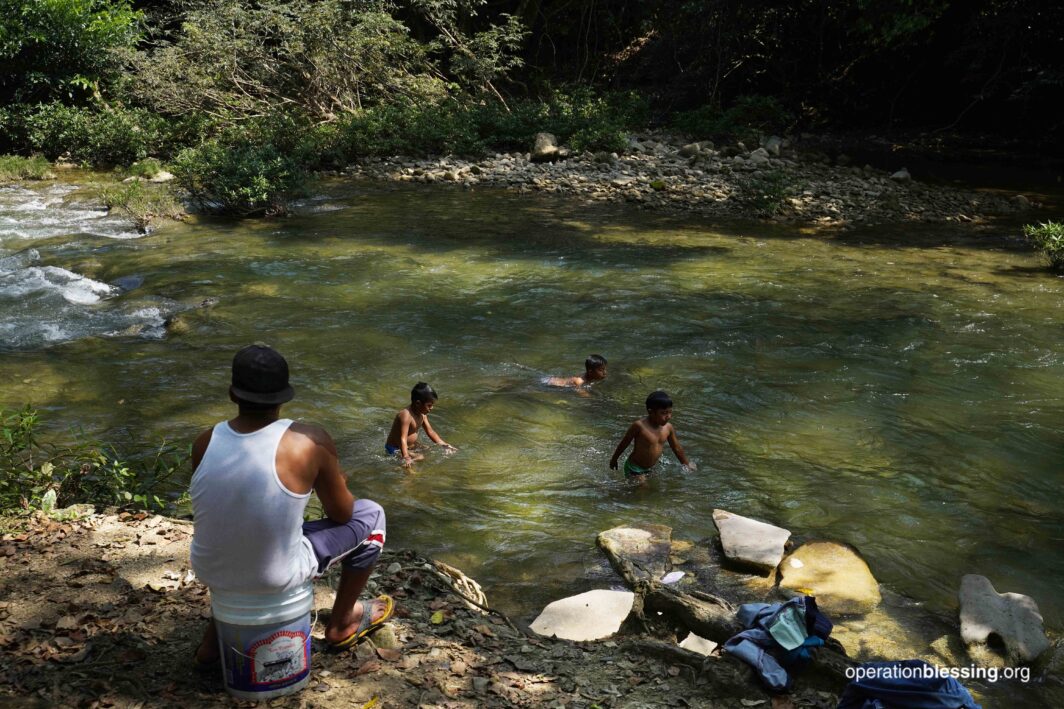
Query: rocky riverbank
x: 103, y: 612
x: 779, y: 180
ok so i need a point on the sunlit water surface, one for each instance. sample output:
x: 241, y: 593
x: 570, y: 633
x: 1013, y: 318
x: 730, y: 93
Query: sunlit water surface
x: 898, y: 389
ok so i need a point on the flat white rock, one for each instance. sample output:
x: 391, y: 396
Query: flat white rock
x: 749, y: 542
x: 588, y: 616
x: 1012, y: 617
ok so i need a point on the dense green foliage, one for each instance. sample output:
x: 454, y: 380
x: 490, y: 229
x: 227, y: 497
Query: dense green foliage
x: 202, y: 81
x: 580, y: 118
x: 141, y: 204
x: 1049, y: 238
x: 63, y: 49
x: 15, y: 167
x: 746, y: 118
x: 240, y: 177
x: 35, y: 474
x: 100, y: 137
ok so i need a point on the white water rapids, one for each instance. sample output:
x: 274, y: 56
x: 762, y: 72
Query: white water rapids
x: 44, y: 300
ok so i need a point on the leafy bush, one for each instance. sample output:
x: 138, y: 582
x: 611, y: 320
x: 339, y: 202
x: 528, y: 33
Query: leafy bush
x: 325, y: 57
x: 579, y: 118
x: 63, y: 49
x: 35, y: 474
x: 142, y: 204
x: 99, y: 137
x: 14, y: 167
x: 749, y: 116
x: 1049, y: 238
x: 765, y: 191
x: 240, y: 177
x: 146, y: 168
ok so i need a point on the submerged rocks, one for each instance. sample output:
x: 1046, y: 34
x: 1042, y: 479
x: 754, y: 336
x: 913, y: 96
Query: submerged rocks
x: 645, y: 549
x: 1010, y: 618
x: 835, y: 573
x: 588, y: 616
x: 750, y: 543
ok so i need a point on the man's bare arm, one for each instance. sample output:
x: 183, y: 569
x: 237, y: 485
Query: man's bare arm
x: 330, y: 483
x: 199, y: 447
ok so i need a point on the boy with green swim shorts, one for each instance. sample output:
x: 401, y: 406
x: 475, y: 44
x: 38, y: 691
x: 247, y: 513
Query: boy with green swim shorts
x: 650, y: 434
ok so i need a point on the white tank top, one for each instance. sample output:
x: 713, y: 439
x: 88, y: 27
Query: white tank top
x: 248, y: 535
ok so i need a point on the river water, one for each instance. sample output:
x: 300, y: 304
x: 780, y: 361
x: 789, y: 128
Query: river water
x: 899, y: 389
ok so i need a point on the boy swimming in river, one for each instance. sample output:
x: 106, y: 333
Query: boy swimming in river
x: 650, y: 434
x: 594, y: 371
x: 403, y: 436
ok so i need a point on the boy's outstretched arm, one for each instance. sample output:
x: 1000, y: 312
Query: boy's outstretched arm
x: 629, y: 435
x: 674, y: 443
x: 435, y: 437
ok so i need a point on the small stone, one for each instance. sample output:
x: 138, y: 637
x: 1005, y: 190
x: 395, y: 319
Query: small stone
x: 901, y: 175
x: 394, y: 568
x: 480, y: 684
x: 698, y: 644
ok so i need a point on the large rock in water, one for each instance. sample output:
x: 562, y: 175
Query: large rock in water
x: 835, y: 573
x: 750, y: 543
x: 590, y: 616
x: 1011, y: 617
x: 646, y: 548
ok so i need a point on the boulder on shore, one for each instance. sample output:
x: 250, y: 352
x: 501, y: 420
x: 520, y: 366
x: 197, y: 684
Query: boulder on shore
x: 1011, y: 618
x: 750, y: 543
x: 833, y: 572
x: 545, y: 149
x: 588, y: 616
x: 646, y: 548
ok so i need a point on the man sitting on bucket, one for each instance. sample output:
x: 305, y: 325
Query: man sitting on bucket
x: 253, y: 477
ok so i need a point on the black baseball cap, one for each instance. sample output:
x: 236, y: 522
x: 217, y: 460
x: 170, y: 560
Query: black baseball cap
x: 260, y: 376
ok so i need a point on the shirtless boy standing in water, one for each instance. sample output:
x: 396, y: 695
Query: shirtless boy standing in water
x: 403, y: 435
x: 650, y: 434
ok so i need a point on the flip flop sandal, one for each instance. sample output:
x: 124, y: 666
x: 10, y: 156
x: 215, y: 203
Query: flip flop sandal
x: 366, y: 627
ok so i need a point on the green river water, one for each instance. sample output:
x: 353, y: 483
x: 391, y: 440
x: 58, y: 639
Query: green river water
x: 899, y: 389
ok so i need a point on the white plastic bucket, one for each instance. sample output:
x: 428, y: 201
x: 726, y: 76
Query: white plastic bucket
x: 264, y: 641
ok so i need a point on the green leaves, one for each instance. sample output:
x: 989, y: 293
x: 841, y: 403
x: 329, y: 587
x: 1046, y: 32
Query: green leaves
x: 53, y: 477
x: 1049, y: 238
x: 63, y: 49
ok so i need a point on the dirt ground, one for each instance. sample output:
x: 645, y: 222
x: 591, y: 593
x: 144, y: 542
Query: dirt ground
x: 104, y: 612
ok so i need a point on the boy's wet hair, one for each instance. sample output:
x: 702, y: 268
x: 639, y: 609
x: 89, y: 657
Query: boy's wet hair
x: 658, y: 400
x: 422, y: 392
x: 594, y: 362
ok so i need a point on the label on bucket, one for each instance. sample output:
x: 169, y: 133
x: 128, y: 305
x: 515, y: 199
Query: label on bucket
x: 279, y: 658
x: 260, y: 662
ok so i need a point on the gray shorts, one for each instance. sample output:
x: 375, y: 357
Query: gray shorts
x: 356, y: 543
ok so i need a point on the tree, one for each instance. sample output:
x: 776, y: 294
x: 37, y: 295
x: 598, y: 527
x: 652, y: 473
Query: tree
x: 63, y: 49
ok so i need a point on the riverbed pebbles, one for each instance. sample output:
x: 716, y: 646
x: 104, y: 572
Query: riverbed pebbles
x: 776, y: 181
